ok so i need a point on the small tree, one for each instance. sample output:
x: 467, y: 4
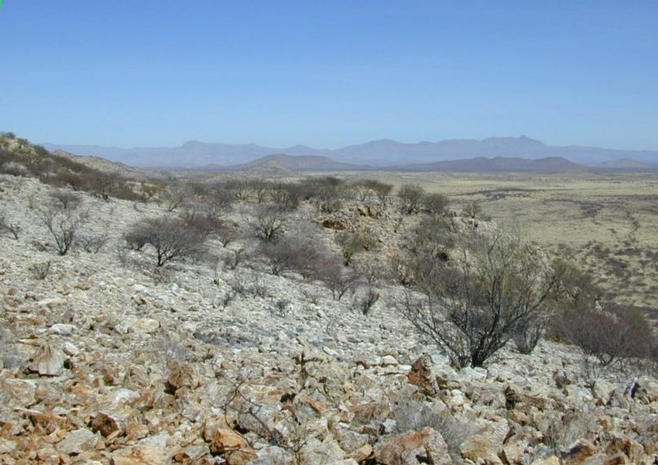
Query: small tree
x: 171, y: 238
x: 268, y: 222
x: 8, y: 226
x: 63, y: 226
x: 411, y: 196
x: 435, y: 204
x: 473, y: 304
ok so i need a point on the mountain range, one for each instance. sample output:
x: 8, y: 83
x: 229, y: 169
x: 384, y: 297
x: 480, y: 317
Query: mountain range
x: 375, y: 154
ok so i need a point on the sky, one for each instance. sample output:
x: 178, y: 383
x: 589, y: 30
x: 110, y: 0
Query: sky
x: 329, y: 74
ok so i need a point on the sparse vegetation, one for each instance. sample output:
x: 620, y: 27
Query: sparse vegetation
x: 472, y: 306
x: 171, y: 238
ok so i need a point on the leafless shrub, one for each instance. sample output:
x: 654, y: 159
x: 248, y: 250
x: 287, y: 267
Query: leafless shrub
x: 286, y: 195
x: 40, y: 270
x: 435, y: 204
x: 233, y: 259
x: 66, y: 200
x: 14, y: 168
x: 63, y: 226
x: 294, y: 253
x: 411, y: 197
x: 338, y: 279
x: 471, y: 306
x: 412, y: 415
x: 350, y: 244
x: 368, y: 300
x: 174, y: 196
x: 366, y: 187
x: 268, y: 222
x: 91, y: 243
x: 8, y: 226
x: 472, y: 209
x: 170, y: 238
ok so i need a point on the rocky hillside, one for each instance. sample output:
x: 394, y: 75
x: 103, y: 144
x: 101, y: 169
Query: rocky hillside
x: 107, y: 359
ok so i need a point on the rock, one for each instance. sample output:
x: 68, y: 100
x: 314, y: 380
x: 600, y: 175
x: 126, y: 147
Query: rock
x: 139, y: 455
x: 77, y: 442
x: 70, y: 349
x: 486, y: 445
x: 223, y: 439
x: 552, y: 460
x: 62, y: 329
x: 579, y: 452
x: 48, y: 361
x: 421, y: 376
x: 21, y: 390
x: 389, y: 360
x: 362, y: 453
x: 414, y: 447
x: 316, y: 452
x: 108, y: 424
x: 602, y: 391
x: 182, y: 375
x: 192, y: 454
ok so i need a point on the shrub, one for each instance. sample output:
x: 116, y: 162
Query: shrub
x: 286, y: 195
x: 66, y: 200
x: 368, y: 301
x: 268, y: 222
x: 8, y: 226
x: 435, y: 204
x: 40, y: 270
x: 63, y: 226
x: 350, y: 244
x: 170, y: 238
x: 295, y: 253
x: 472, y: 209
x: 338, y: 279
x: 472, y: 305
x: 92, y: 244
x: 411, y: 196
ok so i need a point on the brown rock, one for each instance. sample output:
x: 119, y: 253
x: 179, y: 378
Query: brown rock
x: 223, y: 439
x: 139, y: 455
x: 182, y: 375
x: 334, y: 224
x: 421, y: 375
x: 108, y: 424
x: 414, y: 447
x: 579, y: 452
x: 552, y: 460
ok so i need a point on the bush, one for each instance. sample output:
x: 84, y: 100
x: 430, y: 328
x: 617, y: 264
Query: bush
x: 171, y: 238
x: 8, y: 226
x: 92, y: 244
x: 295, y: 253
x: 472, y: 209
x: 63, y: 226
x: 435, y: 204
x: 411, y: 196
x: 472, y: 305
x: 268, y: 222
x: 338, y: 279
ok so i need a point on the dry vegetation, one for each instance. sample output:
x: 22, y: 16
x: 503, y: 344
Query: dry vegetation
x: 422, y: 255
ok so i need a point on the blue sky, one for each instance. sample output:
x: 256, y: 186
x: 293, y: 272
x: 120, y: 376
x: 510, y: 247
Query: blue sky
x: 328, y: 74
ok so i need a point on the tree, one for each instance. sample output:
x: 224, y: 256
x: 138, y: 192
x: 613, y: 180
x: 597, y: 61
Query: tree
x: 473, y: 304
x: 171, y: 238
x: 411, y: 196
x: 269, y: 222
x: 435, y: 204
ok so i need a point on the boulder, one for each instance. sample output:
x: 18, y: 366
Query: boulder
x: 77, y: 441
x: 48, y: 361
x: 414, y: 447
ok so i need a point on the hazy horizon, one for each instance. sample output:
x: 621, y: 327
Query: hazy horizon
x: 156, y: 74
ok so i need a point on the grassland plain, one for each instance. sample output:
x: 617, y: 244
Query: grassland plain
x: 606, y: 221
